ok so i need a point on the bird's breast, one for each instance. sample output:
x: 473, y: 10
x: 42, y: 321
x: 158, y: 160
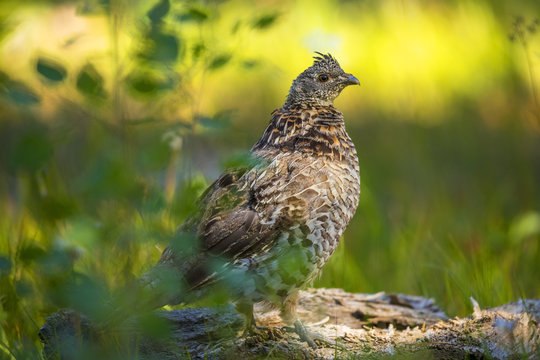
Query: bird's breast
x: 315, y: 195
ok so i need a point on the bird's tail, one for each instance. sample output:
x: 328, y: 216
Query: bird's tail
x: 161, y: 285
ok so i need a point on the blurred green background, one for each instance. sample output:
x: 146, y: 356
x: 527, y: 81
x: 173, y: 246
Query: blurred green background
x: 115, y: 115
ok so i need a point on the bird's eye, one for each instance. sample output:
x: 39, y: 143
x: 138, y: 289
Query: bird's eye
x: 323, y: 78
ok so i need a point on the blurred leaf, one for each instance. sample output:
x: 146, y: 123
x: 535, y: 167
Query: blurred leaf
x: 108, y: 179
x: 154, y: 325
x: 20, y: 93
x: 154, y: 200
x: 194, y: 14
x: 148, y: 83
x: 250, y: 64
x: 198, y: 50
x: 31, y: 151
x: 52, y: 207
x: 83, y: 231
x: 159, y: 11
x: 105, y: 4
x: 525, y: 226
x: 23, y: 288
x: 90, y: 82
x: 58, y: 262
x: 219, y: 61
x: 4, y: 79
x: 51, y: 70
x: 216, y: 123
x: 186, y: 195
x: 83, y: 294
x: 72, y: 40
x: 240, y: 160
x: 236, y: 27
x: 5, y: 266
x: 31, y: 252
x: 161, y: 47
x: 265, y: 21
x: 92, y: 7
x: 156, y: 156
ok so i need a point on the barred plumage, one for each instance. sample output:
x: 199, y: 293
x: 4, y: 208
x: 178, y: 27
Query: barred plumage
x: 265, y: 231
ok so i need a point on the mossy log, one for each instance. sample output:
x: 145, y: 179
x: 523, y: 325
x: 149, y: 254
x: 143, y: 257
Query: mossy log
x: 369, y: 326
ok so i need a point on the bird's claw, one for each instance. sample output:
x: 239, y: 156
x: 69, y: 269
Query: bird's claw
x: 312, y: 338
x: 264, y: 332
x: 304, y: 334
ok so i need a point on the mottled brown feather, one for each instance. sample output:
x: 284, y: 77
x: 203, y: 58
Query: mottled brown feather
x: 276, y: 222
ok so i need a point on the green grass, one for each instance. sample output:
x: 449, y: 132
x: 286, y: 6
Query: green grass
x: 447, y: 212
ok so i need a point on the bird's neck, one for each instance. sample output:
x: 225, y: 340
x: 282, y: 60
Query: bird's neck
x: 317, y: 130
x: 294, y: 101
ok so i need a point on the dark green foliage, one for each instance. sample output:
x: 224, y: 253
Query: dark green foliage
x: 219, y: 61
x: 194, y: 14
x: 18, y: 92
x: 148, y: 84
x: 159, y: 11
x: 265, y: 21
x: 90, y: 82
x: 51, y: 70
x: 31, y: 150
x: 5, y: 265
x: 161, y: 46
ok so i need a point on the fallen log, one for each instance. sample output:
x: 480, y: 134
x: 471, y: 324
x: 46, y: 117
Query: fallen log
x: 359, y: 325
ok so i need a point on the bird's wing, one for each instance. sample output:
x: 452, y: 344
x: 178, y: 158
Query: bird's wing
x: 226, y: 227
x: 230, y: 226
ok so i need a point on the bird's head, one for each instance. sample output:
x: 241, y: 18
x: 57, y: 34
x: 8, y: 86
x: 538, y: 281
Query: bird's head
x: 320, y: 84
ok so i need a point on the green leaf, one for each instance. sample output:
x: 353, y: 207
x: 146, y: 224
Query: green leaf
x: 51, y: 70
x: 153, y: 325
x: 194, y: 14
x: 20, y: 93
x: 525, y: 226
x: 90, y: 82
x: 55, y: 207
x: 31, y: 151
x: 5, y: 266
x: 23, y: 288
x: 161, y: 47
x: 148, y: 84
x: 198, y: 50
x: 265, y: 21
x: 4, y: 79
x: 158, y: 12
x: 250, y: 64
x: 236, y: 27
x: 83, y: 231
x: 219, y: 61
x: 31, y: 252
x: 93, y: 7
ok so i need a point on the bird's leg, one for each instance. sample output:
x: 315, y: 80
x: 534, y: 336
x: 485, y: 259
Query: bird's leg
x: 246, y: 309
x: 251, y: 327
x: 288, y: 315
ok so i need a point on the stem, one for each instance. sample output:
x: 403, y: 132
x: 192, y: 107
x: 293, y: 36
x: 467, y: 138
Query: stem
x: 116, y: 10
x: 530, y: 67
x: 7, y: 350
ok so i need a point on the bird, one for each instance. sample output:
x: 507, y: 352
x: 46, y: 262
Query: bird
x: 265, y: 230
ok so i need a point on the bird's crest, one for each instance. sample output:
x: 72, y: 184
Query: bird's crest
x: 324, y: 58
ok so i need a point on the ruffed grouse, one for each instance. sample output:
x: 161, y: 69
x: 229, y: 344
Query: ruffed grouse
x: 265, y: 231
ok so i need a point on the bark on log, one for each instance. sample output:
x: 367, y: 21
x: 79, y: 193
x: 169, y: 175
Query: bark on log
x: 374, y: 326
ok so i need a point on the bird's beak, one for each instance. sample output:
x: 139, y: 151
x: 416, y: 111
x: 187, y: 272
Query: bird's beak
x: 350, y: 80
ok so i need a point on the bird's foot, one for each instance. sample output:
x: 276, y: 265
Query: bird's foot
x: 263, y: 332
x: 312, y: 338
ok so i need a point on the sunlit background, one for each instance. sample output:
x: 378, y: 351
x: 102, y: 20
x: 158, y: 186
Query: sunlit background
x: 115, y: 115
